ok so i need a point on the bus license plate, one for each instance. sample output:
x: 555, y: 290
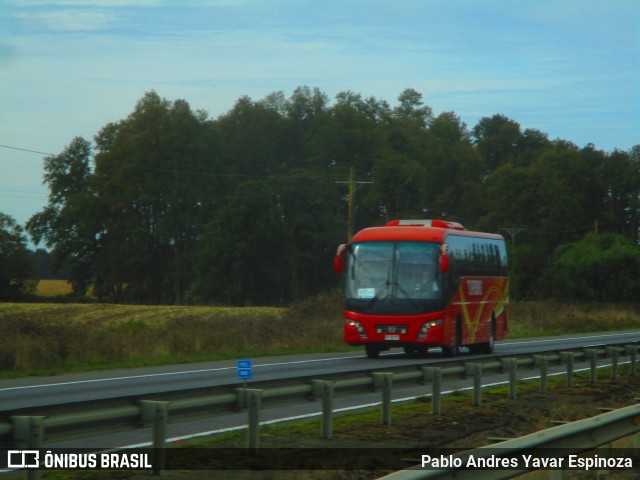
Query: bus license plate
x: 392, y: 337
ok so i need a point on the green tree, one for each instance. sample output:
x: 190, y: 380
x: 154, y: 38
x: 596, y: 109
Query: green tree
x: 605, y: 268
x: 244, y: 254
x: 346, y: 136
x: 455, y: 171
x: 531, y: 143
x: 68, y: 223
x: 304, y: 110
x: 42, y: 264
x: 620, y: 179
x: 15, y: 265
x: 248, y: 208
x: 312, y: 226
x: 254, y: 140
x: 548, y: 198
x: 399, y: 186
x: 411, y: 107
x: 158, y: 180
x: 271, y: 243
x: 402, y: 179
x: 407, y: 124
x: 497, y: 139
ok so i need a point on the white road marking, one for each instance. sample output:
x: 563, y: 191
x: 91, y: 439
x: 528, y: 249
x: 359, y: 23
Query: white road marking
x: 186, y: 372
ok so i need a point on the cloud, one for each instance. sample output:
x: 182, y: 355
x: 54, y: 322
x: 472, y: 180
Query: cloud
x: 71, y: 20
x: 84, y: 3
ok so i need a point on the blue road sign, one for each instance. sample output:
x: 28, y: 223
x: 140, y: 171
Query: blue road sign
x: 244, y: 364
x: 244, y: 371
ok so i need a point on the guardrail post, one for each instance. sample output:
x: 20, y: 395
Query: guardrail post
x: 384, y: 380
x: 254, y: 402
x: 632, y: 351
x: 156, y: 412
x: 324, y: 389
x: 614, y: 353
x: 511, y: 365
x: 434, y: 374
x: 475, y: 369
x: 543, y: 362
x: 592, y: 356
x: 28, y: 433
x: 243, y: 398
x: 568, y: 358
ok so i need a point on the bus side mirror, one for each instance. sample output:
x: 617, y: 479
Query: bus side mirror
x: 338, y: 260
x: 444, y: 263
x: 444, y: 259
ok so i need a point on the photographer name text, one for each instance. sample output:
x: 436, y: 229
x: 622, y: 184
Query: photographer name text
x: 526, y: 461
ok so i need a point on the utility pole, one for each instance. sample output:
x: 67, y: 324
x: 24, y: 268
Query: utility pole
x: 353, y: 187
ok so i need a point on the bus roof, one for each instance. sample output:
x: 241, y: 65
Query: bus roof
x: 418, y: 230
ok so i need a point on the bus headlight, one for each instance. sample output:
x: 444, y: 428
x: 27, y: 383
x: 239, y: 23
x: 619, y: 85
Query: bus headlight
x: 358, y: 326
x: 426, y: 326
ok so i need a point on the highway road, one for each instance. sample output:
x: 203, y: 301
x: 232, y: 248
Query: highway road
x: 31, y: 392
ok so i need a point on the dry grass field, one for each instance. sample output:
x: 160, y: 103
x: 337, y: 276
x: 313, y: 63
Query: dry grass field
x: 48, y: 338
x: 52, y: 288
x: 537, y: 318
x: 41, y: 338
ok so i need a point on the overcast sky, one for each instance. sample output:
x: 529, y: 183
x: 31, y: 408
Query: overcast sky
x: 570, y: 68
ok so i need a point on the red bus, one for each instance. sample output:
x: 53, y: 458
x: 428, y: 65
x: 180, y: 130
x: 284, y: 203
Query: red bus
x: 418, y: 284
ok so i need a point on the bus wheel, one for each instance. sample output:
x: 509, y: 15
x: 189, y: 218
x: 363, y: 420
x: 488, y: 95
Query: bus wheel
x: 410, y: 350
x: 488, y: 346
x: 372, y: 351
x: 454, y: 351
x: 451, y: 351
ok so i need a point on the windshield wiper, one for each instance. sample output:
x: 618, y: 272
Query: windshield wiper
x: 375, y: 298
x: 387, y: 283
x: 406, y: 294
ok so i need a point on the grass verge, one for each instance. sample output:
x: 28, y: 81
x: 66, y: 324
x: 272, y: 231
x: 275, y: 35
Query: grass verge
x: 46, y: 338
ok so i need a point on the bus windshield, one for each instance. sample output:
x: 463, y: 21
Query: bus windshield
x: 393, y: 277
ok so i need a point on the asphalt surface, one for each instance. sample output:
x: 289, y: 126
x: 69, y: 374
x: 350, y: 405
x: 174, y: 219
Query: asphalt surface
x: 22, y: 393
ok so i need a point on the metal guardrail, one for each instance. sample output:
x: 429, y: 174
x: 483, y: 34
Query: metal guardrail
x: 29, y: 428
x: 556, y: 442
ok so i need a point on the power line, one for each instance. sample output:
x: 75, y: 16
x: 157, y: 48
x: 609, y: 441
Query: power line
x: 513, y: 231
x: 19, y: 191
x: 232, y: 175
x: 24, y: 197
x: 27, y: 150
x: 194, y: 172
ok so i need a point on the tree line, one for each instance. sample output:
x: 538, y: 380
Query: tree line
x: 169, y: 206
